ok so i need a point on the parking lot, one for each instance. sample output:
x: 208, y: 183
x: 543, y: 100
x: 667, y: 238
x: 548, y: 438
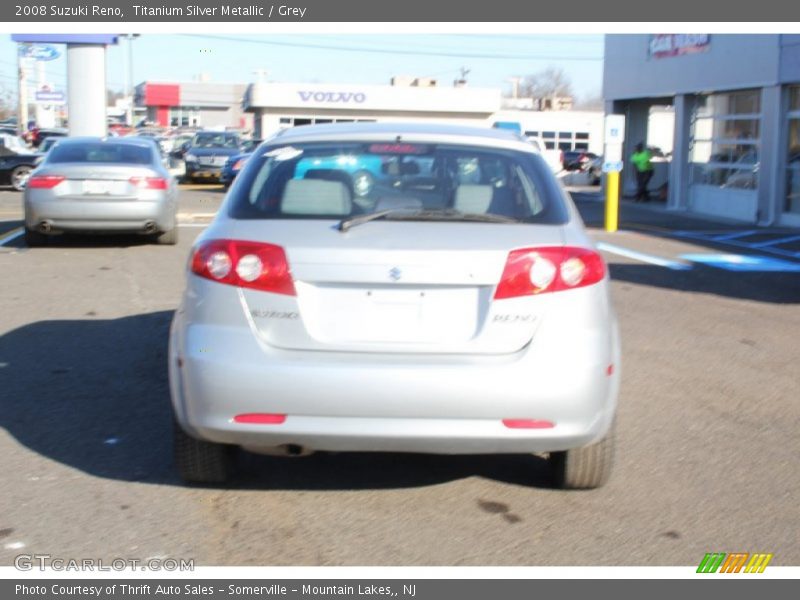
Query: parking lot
x: 708, y: 422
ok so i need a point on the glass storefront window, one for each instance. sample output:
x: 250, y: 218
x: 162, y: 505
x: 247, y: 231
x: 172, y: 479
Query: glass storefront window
x: 725, y: 135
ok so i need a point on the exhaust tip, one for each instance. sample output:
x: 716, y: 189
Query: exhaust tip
x: 45, y: 226
x: 150, y: 227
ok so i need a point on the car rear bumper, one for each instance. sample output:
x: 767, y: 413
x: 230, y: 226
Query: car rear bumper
x: 366, y: 402
x: 96, y: 215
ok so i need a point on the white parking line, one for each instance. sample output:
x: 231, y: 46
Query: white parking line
x: 642, y: 257
x: 15, y: 233
x: 193, y: 224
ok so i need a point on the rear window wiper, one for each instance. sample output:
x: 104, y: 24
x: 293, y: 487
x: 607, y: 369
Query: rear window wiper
x: 400, y: 214
x: 346, y: 224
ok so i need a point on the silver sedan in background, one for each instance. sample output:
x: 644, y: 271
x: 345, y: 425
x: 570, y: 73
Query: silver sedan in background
x: 101, y: 185
x: 400, y: 288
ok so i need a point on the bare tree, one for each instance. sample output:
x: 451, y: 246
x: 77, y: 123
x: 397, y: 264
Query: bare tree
x: 590, y: 102
x: 8, y: 104
x: 552, y: 81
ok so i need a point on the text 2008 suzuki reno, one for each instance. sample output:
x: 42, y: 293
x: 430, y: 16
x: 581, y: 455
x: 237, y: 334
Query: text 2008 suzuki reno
x: 444, y: 298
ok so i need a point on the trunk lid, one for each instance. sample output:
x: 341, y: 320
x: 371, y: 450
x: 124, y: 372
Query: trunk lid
x: 396, y: 286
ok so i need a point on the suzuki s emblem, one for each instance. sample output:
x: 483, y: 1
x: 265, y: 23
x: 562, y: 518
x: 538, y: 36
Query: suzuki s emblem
x: 395, y: 274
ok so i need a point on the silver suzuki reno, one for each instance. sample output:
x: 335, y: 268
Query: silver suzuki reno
x: 400, y: 288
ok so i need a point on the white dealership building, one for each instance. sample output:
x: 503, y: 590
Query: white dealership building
x: 280, y: 105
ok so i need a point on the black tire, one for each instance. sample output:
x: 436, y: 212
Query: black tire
x: 199, y: 461
x: 167, y: 238
x: 34, y: 239
x: 19, y: 177
x: 584, y: 468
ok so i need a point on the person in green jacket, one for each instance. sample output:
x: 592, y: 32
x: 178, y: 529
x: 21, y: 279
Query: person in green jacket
x: 644, y: 171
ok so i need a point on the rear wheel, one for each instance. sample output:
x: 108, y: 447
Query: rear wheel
x: 167, y: 238
x: 20, y: 176
x: 199, y: 461
x: 584, y: 468
x: 34, y: 238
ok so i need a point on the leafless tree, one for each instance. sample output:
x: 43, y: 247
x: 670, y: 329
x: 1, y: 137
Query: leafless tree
x: 552, y: 81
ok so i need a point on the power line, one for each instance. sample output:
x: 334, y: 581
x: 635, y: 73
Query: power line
x: 396, y: 52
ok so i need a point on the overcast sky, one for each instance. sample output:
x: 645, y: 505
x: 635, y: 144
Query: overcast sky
x: 346, y: 58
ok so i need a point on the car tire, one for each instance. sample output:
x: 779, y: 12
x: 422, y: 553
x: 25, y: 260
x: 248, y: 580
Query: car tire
x: 199, y: 461
x: 34, y: 239
x: 167, y: 238
x: 584, y: 468
x: 19, y: 177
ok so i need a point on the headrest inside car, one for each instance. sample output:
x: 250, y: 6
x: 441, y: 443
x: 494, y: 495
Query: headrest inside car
x: 316, y: 197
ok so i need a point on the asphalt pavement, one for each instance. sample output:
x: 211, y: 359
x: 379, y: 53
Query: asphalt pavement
x: 707, y: 432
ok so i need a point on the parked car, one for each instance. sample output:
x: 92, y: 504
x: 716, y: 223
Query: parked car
x: 458, y: 307
x: 235, y: 163
x: 46, y: 145
x: 101, y: 185
x: 206, y: 154
x: 574, y: 160
x: 37, y: 136
x: 16, y: 161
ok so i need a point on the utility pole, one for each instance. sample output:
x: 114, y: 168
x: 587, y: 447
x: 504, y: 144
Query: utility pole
x: 129, y: 78
x: 22, y: 94
x: 515, y: 86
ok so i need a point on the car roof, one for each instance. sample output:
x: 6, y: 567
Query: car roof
x: 409, y: 131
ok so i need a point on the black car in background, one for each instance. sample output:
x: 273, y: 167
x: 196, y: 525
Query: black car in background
x: 16, y: 164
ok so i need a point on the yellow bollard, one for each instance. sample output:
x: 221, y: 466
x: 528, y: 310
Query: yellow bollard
x: 612, y: 201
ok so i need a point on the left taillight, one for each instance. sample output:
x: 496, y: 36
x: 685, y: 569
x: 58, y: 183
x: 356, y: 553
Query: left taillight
x: 254, y: 265
x: 150, y: 183
x: 44, y: 182
x: 237, y: 166
x: 532, y: 271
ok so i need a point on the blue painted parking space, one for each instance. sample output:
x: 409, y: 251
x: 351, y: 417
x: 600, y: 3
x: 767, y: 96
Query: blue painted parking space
x: 741, y: 263
x: 779, y: 243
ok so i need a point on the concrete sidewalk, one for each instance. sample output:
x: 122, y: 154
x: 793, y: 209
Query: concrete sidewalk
x: 654, y: 218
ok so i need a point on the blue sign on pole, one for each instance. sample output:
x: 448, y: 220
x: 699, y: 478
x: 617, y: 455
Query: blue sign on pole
x: 47, y: 97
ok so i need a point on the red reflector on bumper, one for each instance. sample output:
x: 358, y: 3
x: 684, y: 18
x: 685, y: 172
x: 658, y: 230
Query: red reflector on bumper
x: 260, y: 419
x: 528, y: 424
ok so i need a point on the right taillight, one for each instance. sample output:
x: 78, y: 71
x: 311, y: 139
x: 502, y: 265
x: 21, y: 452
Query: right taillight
x: 252, y: 265
x: 532, y: 271
x: 44, y: 182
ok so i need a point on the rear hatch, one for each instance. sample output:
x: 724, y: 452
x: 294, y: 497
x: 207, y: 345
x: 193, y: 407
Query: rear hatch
x: 396, y: 286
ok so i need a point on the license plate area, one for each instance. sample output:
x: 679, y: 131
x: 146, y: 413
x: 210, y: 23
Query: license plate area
x: 95, y: 187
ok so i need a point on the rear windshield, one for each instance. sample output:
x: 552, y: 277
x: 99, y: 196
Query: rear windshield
x: 98, y: 152
x: 324, y: 181
x: 215, y: 140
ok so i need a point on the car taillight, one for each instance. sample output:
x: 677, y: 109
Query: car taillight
x: 244, y: 264
x: 150, y: 183
x: 237, y: 166
x: 531, y: 271
x: 45, y: 182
